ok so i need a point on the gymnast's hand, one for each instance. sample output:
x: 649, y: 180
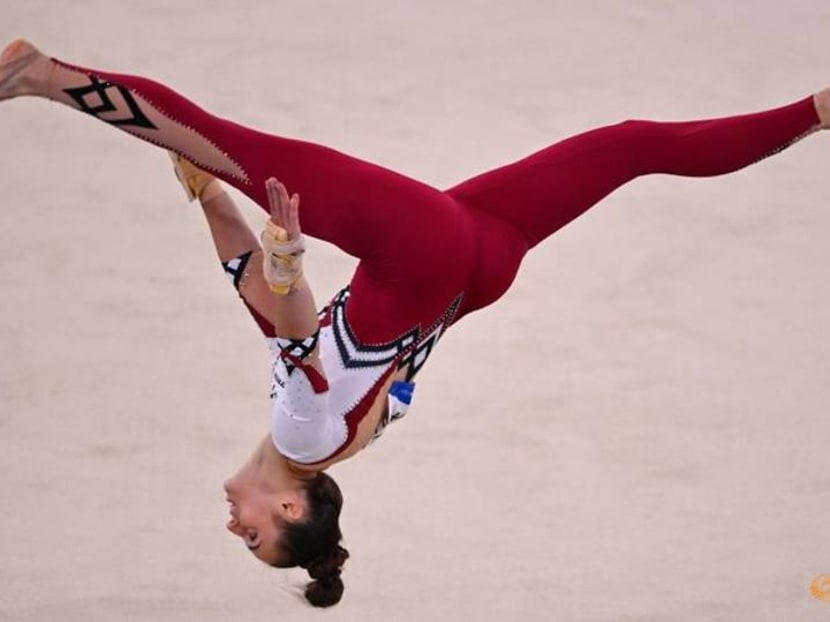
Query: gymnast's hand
x: 285, y: 211
x: 282, y: 243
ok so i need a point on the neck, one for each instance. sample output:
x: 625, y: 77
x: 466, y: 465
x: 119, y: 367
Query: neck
x: 274, y: 469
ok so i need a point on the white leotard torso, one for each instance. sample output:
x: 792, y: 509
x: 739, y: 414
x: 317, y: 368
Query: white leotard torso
x: 313, y: 419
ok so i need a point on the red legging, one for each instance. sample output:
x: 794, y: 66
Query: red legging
x: 419, y: 247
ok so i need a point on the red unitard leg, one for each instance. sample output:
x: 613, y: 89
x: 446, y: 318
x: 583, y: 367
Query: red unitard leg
x: 419, y: 247
x: 414, y: 242
x: 545, y: 191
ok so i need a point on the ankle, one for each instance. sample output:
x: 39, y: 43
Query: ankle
x: 36, y: 79
x: 821, y: 100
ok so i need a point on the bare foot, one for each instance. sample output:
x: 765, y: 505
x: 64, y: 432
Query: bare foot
x: 22, y: 68
x: 822, y: 102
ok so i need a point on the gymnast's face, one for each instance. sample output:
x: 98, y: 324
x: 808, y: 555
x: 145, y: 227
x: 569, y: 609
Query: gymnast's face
x: 257, y: 511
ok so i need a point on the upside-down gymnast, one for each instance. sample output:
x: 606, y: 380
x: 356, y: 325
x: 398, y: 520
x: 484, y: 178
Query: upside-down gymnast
x: 427, y: 259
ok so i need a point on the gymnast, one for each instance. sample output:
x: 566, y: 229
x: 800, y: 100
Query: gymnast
x: 427, y: 258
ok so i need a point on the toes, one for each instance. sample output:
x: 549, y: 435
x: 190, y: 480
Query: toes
x: 16, y: 49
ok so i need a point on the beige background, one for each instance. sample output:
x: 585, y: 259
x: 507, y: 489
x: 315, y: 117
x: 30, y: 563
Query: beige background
x: 637, y: 432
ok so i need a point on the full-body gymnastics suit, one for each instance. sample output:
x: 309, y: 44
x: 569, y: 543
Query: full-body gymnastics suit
x: 427, y: 257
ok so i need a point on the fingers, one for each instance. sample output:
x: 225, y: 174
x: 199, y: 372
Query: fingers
x: 272, y: 190
x: 285, y: 210
x: 293, y: 223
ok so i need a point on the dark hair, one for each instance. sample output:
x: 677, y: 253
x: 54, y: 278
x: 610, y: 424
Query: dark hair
x: 314, y: 544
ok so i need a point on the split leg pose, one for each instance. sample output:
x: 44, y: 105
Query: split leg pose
x: 427, y: 258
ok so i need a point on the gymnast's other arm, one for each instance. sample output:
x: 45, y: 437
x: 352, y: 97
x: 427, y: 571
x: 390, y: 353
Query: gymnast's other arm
x: 291, y: 314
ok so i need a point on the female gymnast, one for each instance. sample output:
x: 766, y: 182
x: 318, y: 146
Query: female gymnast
x: 427, y: 259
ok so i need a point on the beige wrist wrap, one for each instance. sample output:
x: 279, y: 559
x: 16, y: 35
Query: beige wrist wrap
x: 282, y: 259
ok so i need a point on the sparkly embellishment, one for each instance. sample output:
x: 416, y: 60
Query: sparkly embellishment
x: 410, y: 349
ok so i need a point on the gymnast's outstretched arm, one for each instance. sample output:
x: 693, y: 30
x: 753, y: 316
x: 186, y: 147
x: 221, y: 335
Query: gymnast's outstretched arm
x: 290, y: 315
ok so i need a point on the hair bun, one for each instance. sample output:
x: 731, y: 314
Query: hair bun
x: 327, y: 587
x: 329, y: 564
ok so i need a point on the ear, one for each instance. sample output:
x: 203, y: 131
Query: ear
x: 292, y: 505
